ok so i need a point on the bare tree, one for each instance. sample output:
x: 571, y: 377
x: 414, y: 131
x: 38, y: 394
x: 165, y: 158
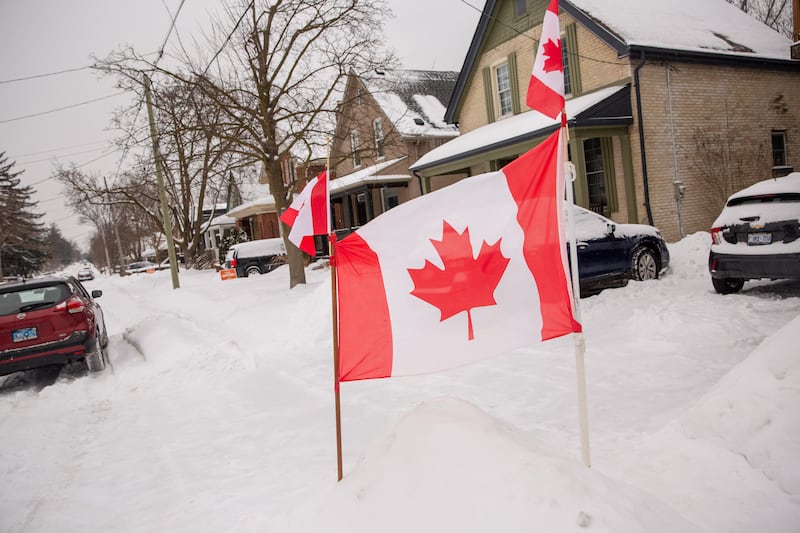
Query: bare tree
x: 281, y: 77
x: 774, y: 13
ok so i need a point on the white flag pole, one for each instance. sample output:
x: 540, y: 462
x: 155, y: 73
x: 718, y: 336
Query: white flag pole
x: 580, y: 342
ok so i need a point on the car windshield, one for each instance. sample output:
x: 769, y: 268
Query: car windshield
x: 29, y: 298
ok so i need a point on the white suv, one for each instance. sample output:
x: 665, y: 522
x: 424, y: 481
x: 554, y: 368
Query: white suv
x: 757, y: 235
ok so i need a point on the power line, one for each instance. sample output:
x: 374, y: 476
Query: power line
x: 33, y: 77
x: 15, y: 156
x: 62, y: 155
x: 62, y: 108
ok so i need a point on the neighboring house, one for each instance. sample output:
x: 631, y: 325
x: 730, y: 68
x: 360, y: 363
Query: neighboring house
x: 386, y: 121
x: 672, y: 105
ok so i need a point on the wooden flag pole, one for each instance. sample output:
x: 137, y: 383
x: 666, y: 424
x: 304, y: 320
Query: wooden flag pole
x: 335, y: 315
x: 580, y: 342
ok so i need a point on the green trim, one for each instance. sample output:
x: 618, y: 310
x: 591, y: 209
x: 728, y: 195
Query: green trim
x: 630, y: 186
x: 513, y: 79
x: 571, y: 36
x: 607, y: 150
x: 581, y: 185
x: 488, y: 94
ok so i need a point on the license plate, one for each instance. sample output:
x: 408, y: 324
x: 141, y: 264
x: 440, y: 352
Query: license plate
x: 24, y: 334
x: 759, y: 238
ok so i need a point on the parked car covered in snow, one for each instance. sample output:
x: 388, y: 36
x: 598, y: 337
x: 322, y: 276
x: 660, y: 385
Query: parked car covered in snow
x: 257, y: 257
x: 757, y: 235
x: 611, y: 254
x: 140, y: 266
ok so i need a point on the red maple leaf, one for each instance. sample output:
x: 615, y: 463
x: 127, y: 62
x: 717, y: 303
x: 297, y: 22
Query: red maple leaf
x: 464, y: 282
x: 552, y: 53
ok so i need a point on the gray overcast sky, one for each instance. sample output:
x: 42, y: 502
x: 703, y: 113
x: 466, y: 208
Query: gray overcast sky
x: 43, y: 36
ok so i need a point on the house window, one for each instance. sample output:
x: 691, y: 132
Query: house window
x: 503, y: 81
x: 520, y: 7
x: 359, y: 97
x: 354, y: 148
x: 778, y: 148
x: 595, y: 174
x: 377, y: 127
x: 390, y: 199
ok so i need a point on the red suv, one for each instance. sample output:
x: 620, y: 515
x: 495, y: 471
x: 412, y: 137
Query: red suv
x: 50, y: 321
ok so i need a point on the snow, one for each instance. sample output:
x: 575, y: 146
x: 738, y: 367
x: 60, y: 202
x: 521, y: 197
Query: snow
x: 710, y: 26
x: 218, y: 416
x: 260, y: 248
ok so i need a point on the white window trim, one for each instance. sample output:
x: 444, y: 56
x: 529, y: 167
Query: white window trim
x: 496, y: 90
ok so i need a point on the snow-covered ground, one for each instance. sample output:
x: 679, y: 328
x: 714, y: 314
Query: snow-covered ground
x: 218, y: 415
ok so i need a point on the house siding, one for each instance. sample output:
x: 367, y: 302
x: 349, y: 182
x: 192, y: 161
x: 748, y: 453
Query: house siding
x: 722, y: 118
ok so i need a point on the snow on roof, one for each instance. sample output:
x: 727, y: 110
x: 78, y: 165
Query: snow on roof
x: 222, y: 220
x: 264, y: 204
x: 414, y: 100
x: 368, y: 174
x: 508, y: 128
x: 711, y: 26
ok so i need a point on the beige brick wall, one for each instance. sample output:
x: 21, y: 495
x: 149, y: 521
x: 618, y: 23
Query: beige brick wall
x: 722, y: 119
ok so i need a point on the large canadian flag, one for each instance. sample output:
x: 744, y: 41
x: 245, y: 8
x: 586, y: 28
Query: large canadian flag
x: 472, y: 270
x: 546, y: 89
x: 309, y: 214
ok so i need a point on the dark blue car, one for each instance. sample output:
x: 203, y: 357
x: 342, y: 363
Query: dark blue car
x: 610, y: 254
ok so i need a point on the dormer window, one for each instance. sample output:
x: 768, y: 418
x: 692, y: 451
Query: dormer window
x: 520, y: 7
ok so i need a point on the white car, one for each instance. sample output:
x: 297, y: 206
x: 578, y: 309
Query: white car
x: 757, y: 235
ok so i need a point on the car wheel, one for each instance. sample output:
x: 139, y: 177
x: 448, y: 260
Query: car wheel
x: 644, y: 265
x: 95, y: 361
x: 252, y: 271
x: 727, y: 285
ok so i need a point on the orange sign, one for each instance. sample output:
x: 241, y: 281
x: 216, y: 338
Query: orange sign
x: 229, y: 273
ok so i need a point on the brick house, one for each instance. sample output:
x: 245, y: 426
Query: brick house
x: 385, y: 122
x: 672, y: 105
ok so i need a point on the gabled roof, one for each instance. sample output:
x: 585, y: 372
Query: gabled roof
x: 414, y: 100
x: 688, y: 30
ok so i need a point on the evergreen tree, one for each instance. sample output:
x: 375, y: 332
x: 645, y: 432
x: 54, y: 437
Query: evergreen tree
x: 62, y: 252
x: 22, y: 235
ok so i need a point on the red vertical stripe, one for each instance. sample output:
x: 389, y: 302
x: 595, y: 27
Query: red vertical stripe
x: 365, y: 330
x: 319, y: 205
x: 533, y: 183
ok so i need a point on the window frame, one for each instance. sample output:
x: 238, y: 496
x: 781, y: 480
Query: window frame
x: 354, y: 143
x: 379, y: 138
x: 779, y: 154
x: 504, y: 95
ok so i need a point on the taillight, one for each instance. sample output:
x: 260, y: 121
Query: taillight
x: 233, y: 263
x: 71, y: 305
x: 716, y: 235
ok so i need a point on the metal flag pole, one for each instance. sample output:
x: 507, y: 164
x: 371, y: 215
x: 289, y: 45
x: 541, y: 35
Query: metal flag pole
x: 580, y: 342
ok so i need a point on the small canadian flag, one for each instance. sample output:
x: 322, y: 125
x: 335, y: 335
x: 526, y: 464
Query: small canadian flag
x: 546, y: 89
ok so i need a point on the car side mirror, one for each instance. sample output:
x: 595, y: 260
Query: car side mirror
x: 97, y: 293
x: 610, y: 229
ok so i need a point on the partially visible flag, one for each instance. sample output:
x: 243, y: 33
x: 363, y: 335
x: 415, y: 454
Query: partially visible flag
x: 472, y: 270
x: 309, y: 214
x: 546, y: 89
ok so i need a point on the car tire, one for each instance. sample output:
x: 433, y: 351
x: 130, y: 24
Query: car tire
x: 644, y: 264
x: 252, y: 271
x: 95, y: 361
x: 727, y: 285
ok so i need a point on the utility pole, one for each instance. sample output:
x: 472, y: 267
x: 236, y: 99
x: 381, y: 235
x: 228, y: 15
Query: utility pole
x: 162, y: 194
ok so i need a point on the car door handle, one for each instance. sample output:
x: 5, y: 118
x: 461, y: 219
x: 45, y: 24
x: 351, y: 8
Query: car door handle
x: 583, y: 245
